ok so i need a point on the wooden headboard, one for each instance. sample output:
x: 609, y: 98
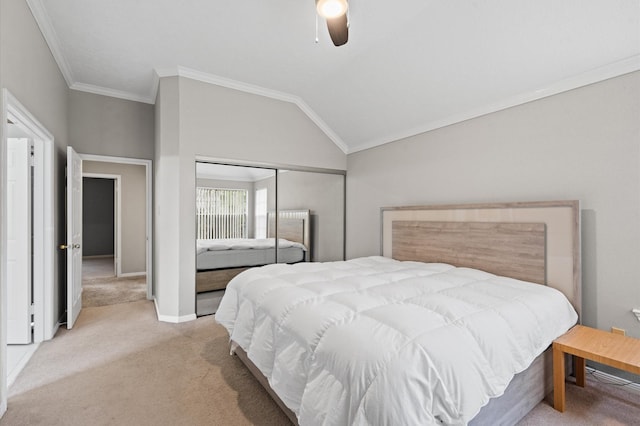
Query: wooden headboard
x: 532, y: 241
x: 293, y: 225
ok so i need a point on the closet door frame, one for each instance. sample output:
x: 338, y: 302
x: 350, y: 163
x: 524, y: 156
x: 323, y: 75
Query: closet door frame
x: 277, y: 167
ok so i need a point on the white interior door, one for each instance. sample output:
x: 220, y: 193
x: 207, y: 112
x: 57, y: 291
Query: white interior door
x: 74, y: 236
x: 18, y: 241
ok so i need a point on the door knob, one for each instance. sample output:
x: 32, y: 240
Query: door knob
x: 63, y: 246
x: 76, y: 246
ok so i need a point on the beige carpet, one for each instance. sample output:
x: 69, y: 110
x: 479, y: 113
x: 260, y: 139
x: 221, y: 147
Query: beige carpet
x: 104, y: 291
x: 120, y: 366
x: 597, y: 404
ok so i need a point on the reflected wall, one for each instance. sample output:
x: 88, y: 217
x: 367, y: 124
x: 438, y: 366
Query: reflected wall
x: 323, y: 195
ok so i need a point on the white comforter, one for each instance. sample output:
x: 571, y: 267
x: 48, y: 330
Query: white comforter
x: 244, y: 244
x: 373, y: 341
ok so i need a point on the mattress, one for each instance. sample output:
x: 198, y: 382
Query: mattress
x: 378, y: 341
x: 235, y: 253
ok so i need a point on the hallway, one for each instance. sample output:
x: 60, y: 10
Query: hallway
x: 101, y: 287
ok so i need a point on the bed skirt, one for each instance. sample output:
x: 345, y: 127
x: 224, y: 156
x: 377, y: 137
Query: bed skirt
x: 524, y: 392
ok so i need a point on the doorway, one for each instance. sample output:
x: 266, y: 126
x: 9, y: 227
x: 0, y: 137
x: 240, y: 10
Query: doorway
x: 107, y: 278
x: 117, y: 248
x: 100, y: 224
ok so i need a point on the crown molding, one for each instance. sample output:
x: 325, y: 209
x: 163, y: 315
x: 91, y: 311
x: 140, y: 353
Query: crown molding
x: 256, y: 90
x: 43, y: 20
x: 209, y: 176
x: 596, y: 75
x: 98, y: 90
x: 18, y: 112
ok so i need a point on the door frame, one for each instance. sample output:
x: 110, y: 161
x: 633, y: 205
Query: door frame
x: 43, y: 210
x: 149, y: 217
x: 117, y: 216
x: 45, y: 325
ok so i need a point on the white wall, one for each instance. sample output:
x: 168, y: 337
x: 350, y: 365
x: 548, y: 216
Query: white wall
x: 200, y: 119
x: 133, y: 211
x: 583, y: 144
x: 166, y: 223
x: 29, y: 71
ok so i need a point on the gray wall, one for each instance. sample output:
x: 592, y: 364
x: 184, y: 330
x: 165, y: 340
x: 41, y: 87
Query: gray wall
x: 199, y: 119
x: 133, y: 212
x: 225, y: 123
x: 583, y: 144
x: 98, y: 217
x: 102, y: 125
x: 29, y: 71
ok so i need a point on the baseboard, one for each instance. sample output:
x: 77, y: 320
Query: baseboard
x: 171, y: 318
x: 132, y: 274
x: 13, y: 374
x: 3, y: 407
x: 614, y: 380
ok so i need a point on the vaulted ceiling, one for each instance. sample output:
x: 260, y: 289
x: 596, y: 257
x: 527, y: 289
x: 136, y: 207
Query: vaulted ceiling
x: 409, y: 66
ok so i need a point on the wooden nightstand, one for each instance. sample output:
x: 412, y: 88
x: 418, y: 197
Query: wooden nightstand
x: 585, y: 343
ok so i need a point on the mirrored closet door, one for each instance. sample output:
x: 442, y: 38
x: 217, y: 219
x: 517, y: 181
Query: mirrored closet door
x: 319, y: 199
x: 248, y: 216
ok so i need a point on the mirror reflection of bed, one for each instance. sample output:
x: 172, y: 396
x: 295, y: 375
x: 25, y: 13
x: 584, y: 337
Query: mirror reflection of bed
x: 237, y: 226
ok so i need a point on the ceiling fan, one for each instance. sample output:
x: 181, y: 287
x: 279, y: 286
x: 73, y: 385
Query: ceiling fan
x: 335, y: 12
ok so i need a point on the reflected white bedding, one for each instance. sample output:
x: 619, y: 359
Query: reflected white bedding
x: 374, y: 341
x: 240, y: 252
x: 244, y: 244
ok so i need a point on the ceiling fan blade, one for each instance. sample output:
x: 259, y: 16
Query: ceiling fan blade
x: 338, y: 29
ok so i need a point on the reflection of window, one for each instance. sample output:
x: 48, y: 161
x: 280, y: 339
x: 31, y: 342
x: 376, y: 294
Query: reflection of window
x: 261, y: 213
x: 221, y: 213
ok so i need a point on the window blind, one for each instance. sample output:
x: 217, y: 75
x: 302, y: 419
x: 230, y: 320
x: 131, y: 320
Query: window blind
x: 221, y: 213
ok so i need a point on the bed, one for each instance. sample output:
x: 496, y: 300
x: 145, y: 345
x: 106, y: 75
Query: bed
x: 219, y: 260
x: 353, y: 342
x: 239, y: 252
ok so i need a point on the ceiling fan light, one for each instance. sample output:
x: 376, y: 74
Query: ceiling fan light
x: 330, y: 9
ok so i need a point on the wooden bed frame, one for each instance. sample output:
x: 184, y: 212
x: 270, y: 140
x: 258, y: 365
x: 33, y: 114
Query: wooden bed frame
x: 533, y: 241
x: 501, y: 238
x: 293, y: 225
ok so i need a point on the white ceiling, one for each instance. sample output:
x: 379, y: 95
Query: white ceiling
x: 409, y: 66
x: 233, y: 173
